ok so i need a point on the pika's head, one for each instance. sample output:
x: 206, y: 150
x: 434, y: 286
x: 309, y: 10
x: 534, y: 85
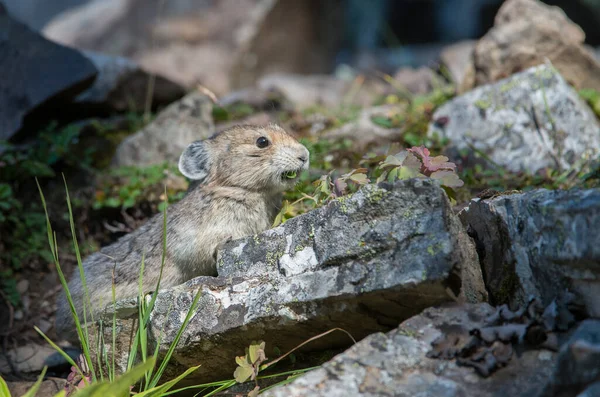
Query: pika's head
x: 259, y: 158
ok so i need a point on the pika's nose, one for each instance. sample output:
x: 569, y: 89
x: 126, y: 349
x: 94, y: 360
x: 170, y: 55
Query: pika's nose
x: 303, y: 158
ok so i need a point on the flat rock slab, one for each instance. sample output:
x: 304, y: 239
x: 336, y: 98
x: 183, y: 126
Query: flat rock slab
x: 530, y: 121
x: 35, y: 72
x: 395, y: 364
x: 165, y: 138
x: 363, y: 263
x: 538, y: 243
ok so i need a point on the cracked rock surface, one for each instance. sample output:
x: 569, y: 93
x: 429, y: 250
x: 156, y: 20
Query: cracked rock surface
x: 363, y: 263
x: 395, y: 364
x: 538, y: 243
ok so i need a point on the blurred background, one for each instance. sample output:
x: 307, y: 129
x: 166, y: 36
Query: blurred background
x: 229, y: 44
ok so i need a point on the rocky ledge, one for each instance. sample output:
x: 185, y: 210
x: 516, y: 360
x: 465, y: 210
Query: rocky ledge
x: 363, y: 263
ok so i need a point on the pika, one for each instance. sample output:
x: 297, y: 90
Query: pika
x: 240, y: 173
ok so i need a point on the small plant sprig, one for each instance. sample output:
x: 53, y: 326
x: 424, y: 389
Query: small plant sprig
x: 417, y: 162
x: 250, y: 364
x: 327, y: 188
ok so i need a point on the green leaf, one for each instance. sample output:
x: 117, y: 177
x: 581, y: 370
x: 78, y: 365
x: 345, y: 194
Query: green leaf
x: 447, y: 178
x: 244, y: 370
x: 112, y: 202
x: 5, y: 191
x: 257, y: 352
x: 129, y: 202
x: 407, y: 173
x: 361, y: 179
x: 382, y: 121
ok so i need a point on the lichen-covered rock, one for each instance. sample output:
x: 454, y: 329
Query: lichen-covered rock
x: 396, y: 364
x: 165, y: 138
x: 530, y: 121
x: 538, y: 243
x: 363, y: 263
x: 122, y: 85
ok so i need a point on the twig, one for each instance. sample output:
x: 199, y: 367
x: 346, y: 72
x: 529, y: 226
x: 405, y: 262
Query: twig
x: 304, y: 343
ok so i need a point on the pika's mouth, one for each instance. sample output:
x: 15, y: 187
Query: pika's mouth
x: 290, y: 175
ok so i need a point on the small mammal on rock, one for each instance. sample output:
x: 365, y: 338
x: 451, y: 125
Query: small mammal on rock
x: 242, y: 173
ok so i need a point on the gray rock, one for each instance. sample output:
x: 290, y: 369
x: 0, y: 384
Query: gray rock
x: 417, y: 81
x: 36, y: 74
x: 122, y: 85
x: 528, y: 122
x: 363, y: 263
x: 538, y: 243
x: 577, y: 367
x: 32, y: 358
x: 165, y: 138
x: 304, y: 91
x: 48, y: 387
x: 458, y: 59
x: 395, y: 364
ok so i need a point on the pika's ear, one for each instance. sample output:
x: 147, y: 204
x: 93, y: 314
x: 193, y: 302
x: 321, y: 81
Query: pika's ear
x: 195, y: 161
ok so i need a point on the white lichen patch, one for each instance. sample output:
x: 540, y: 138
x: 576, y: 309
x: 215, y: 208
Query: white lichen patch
x: 239, y: 250
x: 298, y: 262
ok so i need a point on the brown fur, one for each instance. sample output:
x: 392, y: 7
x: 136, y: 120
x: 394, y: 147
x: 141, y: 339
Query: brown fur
x: 239, y: 195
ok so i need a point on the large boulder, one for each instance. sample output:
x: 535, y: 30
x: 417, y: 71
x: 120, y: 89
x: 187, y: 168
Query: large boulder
x: 223, y: 45
x: 188, y: 42
x: 538, y: 243
x: 525, y: 34
x: 363, y: 263
x: 37, y: 75
x: 273, y: 42
x: 530, y: 121
x: 398, y: 364
x: 165, y: 138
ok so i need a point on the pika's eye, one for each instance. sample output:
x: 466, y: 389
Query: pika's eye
x: 262, y: 142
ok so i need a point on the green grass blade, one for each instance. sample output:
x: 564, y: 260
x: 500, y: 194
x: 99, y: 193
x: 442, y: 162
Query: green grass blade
x: 112, y: 373
x: 86, y: 296
x: 169, y: 353
x: 293, y: 372
x: 36, y: 386
x: 54, y: 249
x: 162, y: 389
x: 120, y: 387
x: 220, y: 389
x: 228, y: 383
x: 283, y: 382
x: 4, y: 392
x: 61, y: 352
